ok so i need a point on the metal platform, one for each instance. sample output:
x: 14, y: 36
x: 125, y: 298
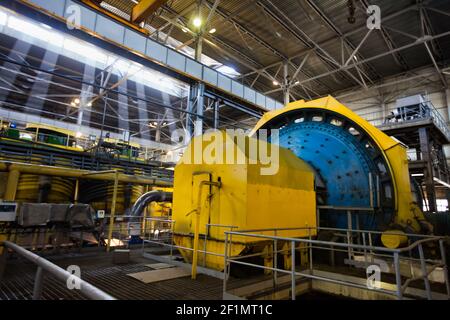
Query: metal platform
x: 98, y: 269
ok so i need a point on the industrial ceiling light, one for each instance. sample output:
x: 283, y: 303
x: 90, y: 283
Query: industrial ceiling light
x: 213, y: 30
x: 73, y: 104
x: 185, y: 30
x: 197, y: 22
x: 275, y: 83
x: 77, y: 101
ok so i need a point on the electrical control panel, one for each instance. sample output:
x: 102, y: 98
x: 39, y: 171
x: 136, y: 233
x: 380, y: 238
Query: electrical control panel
x: 8, y: 211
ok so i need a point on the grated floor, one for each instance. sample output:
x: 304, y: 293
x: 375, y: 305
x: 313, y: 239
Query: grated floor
x: 99, y: 270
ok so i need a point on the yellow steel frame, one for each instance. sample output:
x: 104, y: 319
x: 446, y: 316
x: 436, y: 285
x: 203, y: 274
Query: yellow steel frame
x: 95, y: 6
x: 144, y: 9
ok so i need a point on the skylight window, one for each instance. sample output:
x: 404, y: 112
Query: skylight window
x: 228, y: 71
x: 35, y: 31
x: 85, y: 50
x: 74, y: 48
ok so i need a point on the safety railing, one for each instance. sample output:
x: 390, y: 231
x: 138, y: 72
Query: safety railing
x: 364, y: 247
x: 24, y: 153
x: 46, y: 267
x: 424, y: 110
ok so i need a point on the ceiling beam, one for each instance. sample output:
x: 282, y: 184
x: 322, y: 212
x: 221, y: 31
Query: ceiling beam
x: 344, y: 40
x: 144, y: 9
x: 283, y: 20
x: 355, y: 31
x: 398, y: 57
x: 247, y: 31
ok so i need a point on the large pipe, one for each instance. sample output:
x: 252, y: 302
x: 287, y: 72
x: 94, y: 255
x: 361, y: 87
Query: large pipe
x: 77, y: 173
x: 147, y: 198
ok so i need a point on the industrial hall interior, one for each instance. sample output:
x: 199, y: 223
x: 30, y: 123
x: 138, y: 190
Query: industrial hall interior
x: 194, y: 150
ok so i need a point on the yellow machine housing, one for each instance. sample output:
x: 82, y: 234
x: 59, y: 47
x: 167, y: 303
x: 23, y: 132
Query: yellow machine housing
x: 407, y: 213
x: 245, y: 199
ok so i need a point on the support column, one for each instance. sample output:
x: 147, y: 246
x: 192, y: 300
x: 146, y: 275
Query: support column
x: 11, y: 185
x: 384, y: 111
x: 428, y: 174
x: 216, y: 114
x: 198, y: 128
x: 199, y: 49
x: 447, y: 102
x: 190, y: 107
x: 286, y: 85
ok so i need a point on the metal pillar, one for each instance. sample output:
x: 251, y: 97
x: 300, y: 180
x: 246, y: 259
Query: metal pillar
x: 3, y: 261
x: 76, y: 193
x: 11, y: 185
x: 384, y: 110
x: 287, y: 89
x: 216, y: 114
x: 447, y: 100
x: 38, y: 281
x: 190, y: 108
x: 199, y: 48
x: 198, y: 128
x: 428, y: 174
x: 113, y: 210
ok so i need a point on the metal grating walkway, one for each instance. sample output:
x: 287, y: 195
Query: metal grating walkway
x: 100, y: 272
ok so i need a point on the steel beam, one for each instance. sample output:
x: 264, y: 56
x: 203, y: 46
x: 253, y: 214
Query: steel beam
x: 426, y: 156
x: 350, y: 33
x: 360, y: 62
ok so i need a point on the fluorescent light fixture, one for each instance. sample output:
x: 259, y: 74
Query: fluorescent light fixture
x: 185, y: 30
x: 3, y: 18
x: 45, y: 26
x: 417, y: 175
x: 445, y: 184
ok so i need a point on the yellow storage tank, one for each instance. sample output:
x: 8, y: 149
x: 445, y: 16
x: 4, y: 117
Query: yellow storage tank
x: 239, y: 194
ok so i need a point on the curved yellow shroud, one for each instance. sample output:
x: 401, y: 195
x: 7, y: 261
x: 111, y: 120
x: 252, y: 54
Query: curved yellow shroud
x: 394, y: 153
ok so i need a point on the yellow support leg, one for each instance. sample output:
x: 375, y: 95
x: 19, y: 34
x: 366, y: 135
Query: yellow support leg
x: 11, y: 185
x: 195, y: 253
x: 77, y: 187
x: 113, y: 211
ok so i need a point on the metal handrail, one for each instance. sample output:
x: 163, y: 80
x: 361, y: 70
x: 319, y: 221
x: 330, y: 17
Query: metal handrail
x: 336, y: 229
x: 86, y: 288
x: 400, y: 289
x: 338, y: 244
